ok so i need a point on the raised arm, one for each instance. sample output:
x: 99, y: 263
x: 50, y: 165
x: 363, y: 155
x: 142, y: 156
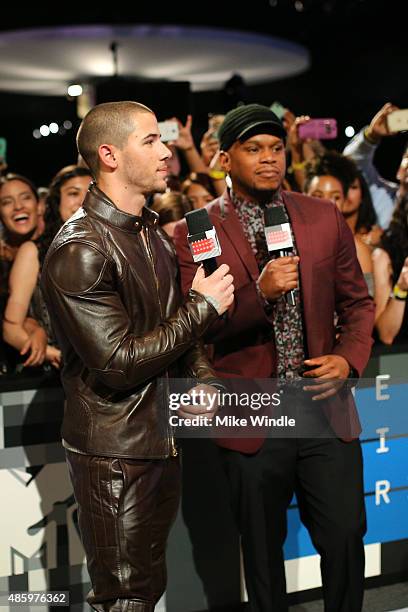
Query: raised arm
x: 390, y: 310
x: 22, y: 281
x: 361, y: 149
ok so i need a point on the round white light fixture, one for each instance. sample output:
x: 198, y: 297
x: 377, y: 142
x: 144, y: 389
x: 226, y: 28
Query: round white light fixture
x: 67, y: 124
x: 349, y: 131
x: 74, y: 90
x: 53, y: 127
x: 44, y: 130
x: 36, y: 134
x: 261, y: 58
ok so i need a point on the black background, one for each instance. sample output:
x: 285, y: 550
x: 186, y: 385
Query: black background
x: 358, y: 62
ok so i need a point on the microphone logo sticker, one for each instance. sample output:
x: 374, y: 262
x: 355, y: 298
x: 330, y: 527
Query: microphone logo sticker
x: 278, y: 237
x: 205, y: 247
x: 202, y: 246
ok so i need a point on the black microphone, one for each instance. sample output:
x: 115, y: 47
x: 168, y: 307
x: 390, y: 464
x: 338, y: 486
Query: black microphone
x: 279, y: 238
x: 202, y: 239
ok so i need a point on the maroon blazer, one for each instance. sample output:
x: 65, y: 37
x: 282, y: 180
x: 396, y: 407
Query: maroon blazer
x: 330, y: 279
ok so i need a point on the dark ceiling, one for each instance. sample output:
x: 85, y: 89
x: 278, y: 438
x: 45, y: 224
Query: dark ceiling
x: 359, y: 52
x: 332, y: 29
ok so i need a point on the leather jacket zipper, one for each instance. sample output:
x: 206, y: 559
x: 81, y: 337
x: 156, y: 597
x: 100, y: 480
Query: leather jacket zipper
x: 170, y: 438
x: 150, y: 256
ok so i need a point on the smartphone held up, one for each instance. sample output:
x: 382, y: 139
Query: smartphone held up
x: 169, y: 130
x: 318, y: 129
x: 397, y: 121
x: 278, y: 109
x: 3, y: 150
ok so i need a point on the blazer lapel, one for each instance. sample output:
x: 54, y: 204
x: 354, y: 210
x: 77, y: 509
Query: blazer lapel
x: 304, y: 244
x: 230, y: 223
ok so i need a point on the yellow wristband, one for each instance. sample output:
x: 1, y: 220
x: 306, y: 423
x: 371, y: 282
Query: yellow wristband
x: 370, y: 139
x: 217, y: 174
x: 400, y: 294
x: 298, y: 165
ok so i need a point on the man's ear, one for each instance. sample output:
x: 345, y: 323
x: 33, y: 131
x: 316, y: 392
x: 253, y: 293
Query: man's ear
x: 107, y: 156
x: 225, y: 161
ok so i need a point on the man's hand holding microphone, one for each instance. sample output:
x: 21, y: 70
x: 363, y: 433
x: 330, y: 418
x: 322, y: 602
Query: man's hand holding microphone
x: 216, y: 285
x: 217, y: 288
x: 212, y: 281
x: 278, y: 277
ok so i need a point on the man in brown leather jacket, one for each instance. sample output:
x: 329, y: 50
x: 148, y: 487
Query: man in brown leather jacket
x: 110, y: 283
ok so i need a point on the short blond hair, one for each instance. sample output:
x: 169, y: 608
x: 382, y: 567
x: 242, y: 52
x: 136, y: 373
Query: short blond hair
x: 108, y: 123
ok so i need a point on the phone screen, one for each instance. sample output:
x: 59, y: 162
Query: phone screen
x: 3, y: 150
x: 169, y: 130
x: 278, y: 109
x: 398, y: 120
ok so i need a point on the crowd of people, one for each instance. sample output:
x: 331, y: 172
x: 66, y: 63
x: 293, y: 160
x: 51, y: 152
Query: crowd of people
x: 376, y: 210
x: 92, y: 285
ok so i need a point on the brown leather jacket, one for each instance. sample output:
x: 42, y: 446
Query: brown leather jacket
x: 123, y: 328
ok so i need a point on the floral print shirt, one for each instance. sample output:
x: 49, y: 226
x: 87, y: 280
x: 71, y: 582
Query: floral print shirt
x: 287, y: 320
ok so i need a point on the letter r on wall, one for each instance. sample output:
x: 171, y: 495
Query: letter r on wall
x: 382, y: 488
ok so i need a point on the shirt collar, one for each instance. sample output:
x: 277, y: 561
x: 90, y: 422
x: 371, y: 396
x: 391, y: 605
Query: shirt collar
x: 240, y: 202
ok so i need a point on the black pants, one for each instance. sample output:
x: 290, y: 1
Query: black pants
x: 125, y: 509
x: 326, y: 474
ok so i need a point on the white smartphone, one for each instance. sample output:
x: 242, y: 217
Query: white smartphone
x: 3, y: 149
x: 278, y: 109
x: 397, y: 121
x: 169, y: 130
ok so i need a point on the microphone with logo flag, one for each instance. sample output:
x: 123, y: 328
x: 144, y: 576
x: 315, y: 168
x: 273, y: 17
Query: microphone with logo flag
x: 279, y: 238
x: 202, y: 239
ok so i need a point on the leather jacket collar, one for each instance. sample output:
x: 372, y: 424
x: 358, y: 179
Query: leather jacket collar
x: 97, y: 204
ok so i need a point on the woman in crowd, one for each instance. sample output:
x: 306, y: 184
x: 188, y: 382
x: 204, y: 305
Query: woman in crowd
x: 20, y: 220
x: 19, y: 213
x: 335, y: 178
x: 171, y: 207
x: 198, y: 189
x: 391, y: 277
x: 358, y: 208
x: 66, y: 195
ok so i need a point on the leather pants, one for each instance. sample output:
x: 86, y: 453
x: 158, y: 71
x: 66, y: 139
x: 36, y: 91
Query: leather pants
x: 126, y: 508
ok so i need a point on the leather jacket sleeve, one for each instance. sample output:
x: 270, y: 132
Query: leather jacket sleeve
x: 195, y: 364
x: 83, y: 302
